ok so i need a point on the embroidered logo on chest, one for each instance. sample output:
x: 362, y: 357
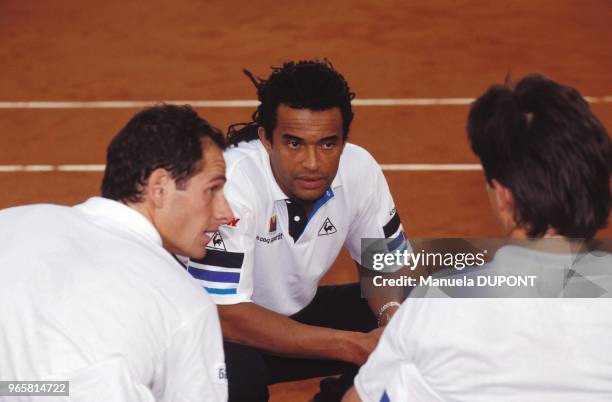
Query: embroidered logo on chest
x: 328, y: 228
x: 216, y: 242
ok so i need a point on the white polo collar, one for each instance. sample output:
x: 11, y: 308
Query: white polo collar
x: 104, y: 210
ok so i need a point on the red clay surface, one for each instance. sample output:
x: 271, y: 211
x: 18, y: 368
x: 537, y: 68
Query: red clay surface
x: 156, y: 50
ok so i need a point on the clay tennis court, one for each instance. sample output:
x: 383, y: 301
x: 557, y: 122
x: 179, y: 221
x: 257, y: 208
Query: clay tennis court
x: 421, y: 60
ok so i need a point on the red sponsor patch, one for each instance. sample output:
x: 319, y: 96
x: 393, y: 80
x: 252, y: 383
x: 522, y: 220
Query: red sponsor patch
x: 272, y: 225
x: 233, y: 223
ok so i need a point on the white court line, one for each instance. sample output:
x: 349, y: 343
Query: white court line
x: 80, y: 168
x: 428, y: 167
x: 415, y: 167
x: 247, y: 103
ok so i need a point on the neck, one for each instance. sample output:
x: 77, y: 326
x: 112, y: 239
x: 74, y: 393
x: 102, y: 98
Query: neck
x: 307, y: 205
x: 520, y: 233
x: 551, y: 242
x: 142, y: 208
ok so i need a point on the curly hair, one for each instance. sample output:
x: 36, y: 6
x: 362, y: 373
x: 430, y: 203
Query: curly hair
x: 313, y: 85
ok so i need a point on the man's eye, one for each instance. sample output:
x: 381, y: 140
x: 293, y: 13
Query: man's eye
x: 293, y: 144
x: 214, y: 189
x: 329, y: 145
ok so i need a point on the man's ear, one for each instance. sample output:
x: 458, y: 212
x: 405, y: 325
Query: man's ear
x: 504, y: 202
x: 264, y: 140
x: 158, y: 187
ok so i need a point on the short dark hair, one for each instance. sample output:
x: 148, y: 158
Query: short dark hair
x: 162, y: 136
x: 313, y: 85
x: 541, y: 140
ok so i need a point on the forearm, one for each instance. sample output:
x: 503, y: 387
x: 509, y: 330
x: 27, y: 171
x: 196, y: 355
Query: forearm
x: 384, y: 307
x: 253, y: 325
x: 383, y: 302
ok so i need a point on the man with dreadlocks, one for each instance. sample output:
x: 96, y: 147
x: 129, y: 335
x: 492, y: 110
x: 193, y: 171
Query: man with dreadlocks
x: 299, y: 192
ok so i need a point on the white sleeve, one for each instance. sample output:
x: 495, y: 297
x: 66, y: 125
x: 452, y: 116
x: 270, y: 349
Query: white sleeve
x: 384, y: 363
x: 193, y: 365
x: 377, y: 216
x: 226, y: 271
x: 393, y: 371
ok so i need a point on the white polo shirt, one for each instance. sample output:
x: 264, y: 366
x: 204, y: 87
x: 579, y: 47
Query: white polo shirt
x: 88, y: 294
x: 272, y: 254
x: 507, y: 349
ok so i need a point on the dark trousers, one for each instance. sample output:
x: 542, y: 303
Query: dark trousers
x: 251, y: 370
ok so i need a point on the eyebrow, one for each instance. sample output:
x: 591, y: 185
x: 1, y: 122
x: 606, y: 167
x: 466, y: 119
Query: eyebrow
x: 219, y: 177
x: 289, y: 137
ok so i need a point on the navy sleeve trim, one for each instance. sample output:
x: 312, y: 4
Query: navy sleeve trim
x: 392, y: 226
x: 223, y: 259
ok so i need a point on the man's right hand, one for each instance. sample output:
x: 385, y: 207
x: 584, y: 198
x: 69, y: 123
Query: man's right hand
x: 357, y: 346
x: 253, y: 325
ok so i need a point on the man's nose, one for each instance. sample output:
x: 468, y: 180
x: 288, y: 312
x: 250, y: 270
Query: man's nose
x: 222, y: 213
x: 311, y: 159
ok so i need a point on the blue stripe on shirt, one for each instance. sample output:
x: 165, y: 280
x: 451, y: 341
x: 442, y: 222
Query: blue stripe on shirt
x: 214, y: 276
x: 216, y: 291
x: 328, y: 195
x: 396, y: 243
x: 385, y: 397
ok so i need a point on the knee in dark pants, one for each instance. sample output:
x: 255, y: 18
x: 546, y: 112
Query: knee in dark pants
x: 247, y: 374
x: 332, y: 389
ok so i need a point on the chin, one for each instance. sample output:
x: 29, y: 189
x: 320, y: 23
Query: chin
x: 310, y: 195
x: 198, y: 255
x: 195, y: 253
